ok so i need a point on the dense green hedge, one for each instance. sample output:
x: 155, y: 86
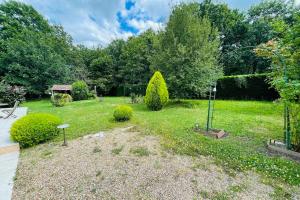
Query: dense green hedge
x: 248, y: 87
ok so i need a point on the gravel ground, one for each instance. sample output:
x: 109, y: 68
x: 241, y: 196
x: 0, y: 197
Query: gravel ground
x: 125, y: 164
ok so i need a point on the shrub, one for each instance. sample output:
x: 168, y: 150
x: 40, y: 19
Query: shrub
x: 34, y: 129
x: 136, y: 98
x: 60, y: 100
x: 122, y: 113
x: 9, y: 94
x: 92, y: 95
x: 80, y: 91
x: 246, y: 87
x: 157, y: 94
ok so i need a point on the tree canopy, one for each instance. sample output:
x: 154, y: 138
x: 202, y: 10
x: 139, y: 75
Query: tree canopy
x: 198, y: 41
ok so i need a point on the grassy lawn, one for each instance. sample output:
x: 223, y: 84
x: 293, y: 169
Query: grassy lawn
x: 250, y: 124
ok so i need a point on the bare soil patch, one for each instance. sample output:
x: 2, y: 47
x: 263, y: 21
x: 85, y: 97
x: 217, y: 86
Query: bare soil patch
x: 125, y: 164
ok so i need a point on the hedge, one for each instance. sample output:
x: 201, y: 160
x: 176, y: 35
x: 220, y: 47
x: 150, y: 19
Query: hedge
x: 246, y: 87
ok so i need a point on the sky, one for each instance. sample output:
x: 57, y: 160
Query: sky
x: 98, y: 22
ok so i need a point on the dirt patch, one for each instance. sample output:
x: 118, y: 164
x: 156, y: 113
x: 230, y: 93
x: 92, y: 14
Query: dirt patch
x: 125, y: 164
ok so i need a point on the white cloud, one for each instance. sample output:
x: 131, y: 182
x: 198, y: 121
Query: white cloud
x: 143, y: 25
x: 89, y: 22
x: 95, y: 22
x: 297, y: 2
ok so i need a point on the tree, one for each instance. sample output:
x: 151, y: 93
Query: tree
x: 157, y: 94
x: 80, y: 91
x: 115, y: 49
x: 261, y: 20
x: 101, y: 72
x: 34, y: 54
x: 285, y: 77
x: 30, y: 61
x: 136, y: 56
x: 188, y: 53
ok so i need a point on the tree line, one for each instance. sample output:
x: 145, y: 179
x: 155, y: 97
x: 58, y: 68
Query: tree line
x: 200, y: 43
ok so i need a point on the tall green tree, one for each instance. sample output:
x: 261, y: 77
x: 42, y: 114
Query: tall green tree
x: 33, y: 53
x: 30, y: 61
x: 101, y: 72
x: 285, y: 77
x: 188, y: 53
x: 136, y: 57
x: 115, y: 49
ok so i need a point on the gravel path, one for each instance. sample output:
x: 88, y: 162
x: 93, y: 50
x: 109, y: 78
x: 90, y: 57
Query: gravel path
x: 125, y: 164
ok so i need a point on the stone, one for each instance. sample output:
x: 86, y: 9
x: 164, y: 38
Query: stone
x: 221, y: 134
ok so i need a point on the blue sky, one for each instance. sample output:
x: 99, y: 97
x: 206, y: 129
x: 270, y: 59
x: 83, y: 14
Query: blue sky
x: 98, y: 22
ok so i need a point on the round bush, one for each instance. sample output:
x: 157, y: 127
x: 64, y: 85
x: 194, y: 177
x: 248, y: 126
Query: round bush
x: 80, y: 91
x: 123, y: 113
x: 157, y: 94
x: 34, y: 129
x: 60, y: 100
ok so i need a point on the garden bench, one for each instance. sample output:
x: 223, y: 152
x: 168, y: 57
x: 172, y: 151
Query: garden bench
x: 10, y: 112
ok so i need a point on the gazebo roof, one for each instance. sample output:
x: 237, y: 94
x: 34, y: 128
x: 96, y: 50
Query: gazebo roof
x: 61, y: 87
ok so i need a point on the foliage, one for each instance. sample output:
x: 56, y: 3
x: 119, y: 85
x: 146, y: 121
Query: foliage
x: 240, y: 30
x: 136, y: 56
x: 136, y: 98
x: 250, y: 124
x: 253, y: 86
x: 10, y: 94
x: 157, y: 94
x: 101, y: 72
x: 285, y: 76
x: 33, y: 53
x: 80, y: 91
x: 123, y: 113
x: 34, y: 129
x: 60, y: 100
x: 188, y: 53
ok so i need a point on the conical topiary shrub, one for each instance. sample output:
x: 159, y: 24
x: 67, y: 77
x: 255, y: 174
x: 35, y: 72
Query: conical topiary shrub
x: 157, y: 94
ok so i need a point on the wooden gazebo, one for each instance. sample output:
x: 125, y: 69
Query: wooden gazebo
x: 61, y: 89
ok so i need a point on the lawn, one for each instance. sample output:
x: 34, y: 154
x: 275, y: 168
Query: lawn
x: 250, y: 124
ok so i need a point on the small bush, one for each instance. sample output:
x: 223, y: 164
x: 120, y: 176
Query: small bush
x: 92, y: 95
x: 34, y: 129
x: 157, y: 94
x: 10, y: 94
x: 123, y: 113
x: 80, y: 91
x: 136, y: 98
x: 60, y: 100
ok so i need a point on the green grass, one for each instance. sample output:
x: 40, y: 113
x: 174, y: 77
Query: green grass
x: 117, y: 151
x: 140, y: 151
x: 250, y: 124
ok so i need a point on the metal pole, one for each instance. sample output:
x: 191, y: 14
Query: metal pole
x: 213, y: 106
x: 287, y: 123
x: 65, y: 143
x: 208, y: 113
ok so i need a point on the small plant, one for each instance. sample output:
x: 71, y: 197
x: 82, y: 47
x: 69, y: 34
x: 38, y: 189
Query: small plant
x: 34, y: 129
x: 117, y: 151
x: 135, y: 98
x: 140, y: 151
x: 123, y: 113
x: 157, y: 94
x: 96, y: 150
x: 60, y: 100
x: 80, y: 91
